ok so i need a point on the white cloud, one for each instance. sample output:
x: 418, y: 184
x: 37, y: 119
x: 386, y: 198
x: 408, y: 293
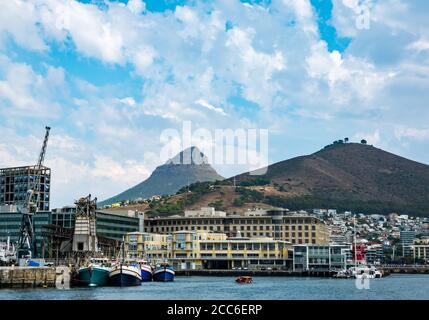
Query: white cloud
x: 271, y: 59
x: 207, y: 105
x: 136, y: 6
x: 412, y: 133
x: 128, y: 101
x: 372, y: 138
x: 27, y: 93
x: 419, y: 45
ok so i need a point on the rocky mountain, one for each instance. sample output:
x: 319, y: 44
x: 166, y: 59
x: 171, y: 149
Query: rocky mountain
x: 354, y: 176
x: 188, y: 167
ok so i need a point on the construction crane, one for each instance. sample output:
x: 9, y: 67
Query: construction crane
x: 27, y: 240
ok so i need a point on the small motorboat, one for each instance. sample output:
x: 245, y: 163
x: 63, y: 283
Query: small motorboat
x: 244, y: 280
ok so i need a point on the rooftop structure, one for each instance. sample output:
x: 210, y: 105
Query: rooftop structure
x: 205, y: 212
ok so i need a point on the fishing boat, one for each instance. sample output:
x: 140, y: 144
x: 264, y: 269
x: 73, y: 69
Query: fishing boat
x: 244, y: 280
x: 94, y: 274
x: 7, y: 252
x: 125, y: 274
x: 163, y: 272
x: 146, y: 271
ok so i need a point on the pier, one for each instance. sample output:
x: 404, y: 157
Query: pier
x: 34, y: 277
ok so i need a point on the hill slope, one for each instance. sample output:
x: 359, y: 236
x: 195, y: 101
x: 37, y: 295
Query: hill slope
x: 352, y: 172
x: 188, y: 167
x: 361, y: 175
x: 349, y: 176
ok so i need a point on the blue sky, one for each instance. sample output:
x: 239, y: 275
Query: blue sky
x: 111, y: 76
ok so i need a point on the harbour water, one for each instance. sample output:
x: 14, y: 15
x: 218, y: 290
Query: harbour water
x: 396, y: 286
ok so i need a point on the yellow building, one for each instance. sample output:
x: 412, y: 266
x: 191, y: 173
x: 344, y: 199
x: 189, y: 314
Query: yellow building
x: 152, y: 247
x: 192, y: 250
x: 278, y: 224
x: 420, y: 250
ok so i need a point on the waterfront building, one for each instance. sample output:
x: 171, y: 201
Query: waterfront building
x: 10, y: 226
x: 109, y: 223
x: 278, y: 224
x: 420, y: 250
x: 196, y: 250
x: 64, y: 217
x: 374, y: 254
x: 15, y: 183
x: 320, y: 258
x: 407, y: 240
x: 154, y: 248
x: 338, y: 239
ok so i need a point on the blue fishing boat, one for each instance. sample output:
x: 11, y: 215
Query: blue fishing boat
x: 163, y: 272
x: 146, y: 271
x: 123, y: 275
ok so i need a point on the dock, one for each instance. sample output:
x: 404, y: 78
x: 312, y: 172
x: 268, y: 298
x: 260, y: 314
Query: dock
x: 423, y: 269
x: 34, y: 277
x: 255, y: 273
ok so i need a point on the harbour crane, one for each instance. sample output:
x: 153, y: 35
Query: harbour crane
x: 27, y: 239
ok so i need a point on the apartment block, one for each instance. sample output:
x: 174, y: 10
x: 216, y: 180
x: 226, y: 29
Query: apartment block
x: 277, y: 224
x: 194, y: 250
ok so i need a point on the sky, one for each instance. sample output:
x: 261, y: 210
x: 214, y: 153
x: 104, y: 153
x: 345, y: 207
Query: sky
x: 110, y: 77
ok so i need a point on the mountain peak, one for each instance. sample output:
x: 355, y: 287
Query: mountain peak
x: 191, y: 155
x: 187, y: 167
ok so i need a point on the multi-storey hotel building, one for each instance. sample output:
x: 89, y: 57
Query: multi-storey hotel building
x: 277, y: 224
x: 190, y: 250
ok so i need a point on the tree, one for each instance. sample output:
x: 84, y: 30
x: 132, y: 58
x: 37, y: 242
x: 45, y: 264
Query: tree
x: 346, y: 140
x: 363, y: 141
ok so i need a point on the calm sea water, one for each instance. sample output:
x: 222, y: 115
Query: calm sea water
x: 402, y: 287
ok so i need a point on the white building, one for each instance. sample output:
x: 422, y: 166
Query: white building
x: 205, y: 212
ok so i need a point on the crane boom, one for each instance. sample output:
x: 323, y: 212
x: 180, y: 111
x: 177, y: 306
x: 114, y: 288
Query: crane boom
x: 44, y: 146
x: 39, y: 167
x: 27, y: 240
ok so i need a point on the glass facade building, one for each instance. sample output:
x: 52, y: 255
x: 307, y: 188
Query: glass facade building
x: 10, y: 225
x: 110, y: 225
x: 15, y: 183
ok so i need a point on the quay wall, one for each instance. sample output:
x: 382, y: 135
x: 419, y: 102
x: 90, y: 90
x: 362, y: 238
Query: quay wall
x: 256, y: 273
x: 406, y: 270
x: 34, y: 277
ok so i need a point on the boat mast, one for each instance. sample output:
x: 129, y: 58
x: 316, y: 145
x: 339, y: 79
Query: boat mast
x: 354, y: 239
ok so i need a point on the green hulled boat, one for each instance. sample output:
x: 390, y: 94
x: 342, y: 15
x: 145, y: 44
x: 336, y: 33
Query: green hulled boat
x: 95, y: 274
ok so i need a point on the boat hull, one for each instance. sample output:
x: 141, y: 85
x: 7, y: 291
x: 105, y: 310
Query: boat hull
x: 125, y: 277
x: 146, y: 274
x: 163, y: 275
x: 93, y: 277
